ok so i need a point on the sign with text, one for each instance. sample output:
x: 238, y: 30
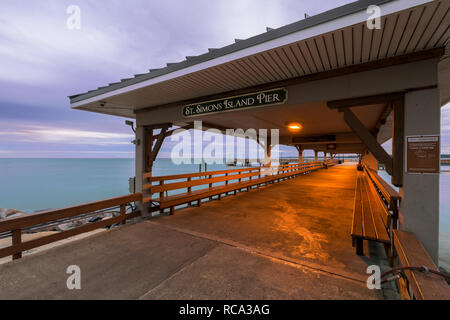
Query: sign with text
x: 251, y: 100
x: 423, y: 154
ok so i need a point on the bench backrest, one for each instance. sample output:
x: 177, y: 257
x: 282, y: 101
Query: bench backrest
x: 381, y: 208
x: 391, y: 196
x: 388, y: 197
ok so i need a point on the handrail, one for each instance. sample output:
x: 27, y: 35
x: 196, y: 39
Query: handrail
x: 16, y: 225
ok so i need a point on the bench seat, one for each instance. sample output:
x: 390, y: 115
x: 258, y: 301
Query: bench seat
x: 371, y: 220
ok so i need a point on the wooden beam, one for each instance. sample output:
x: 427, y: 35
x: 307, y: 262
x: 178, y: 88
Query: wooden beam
x: 398, y: 137
x: 368, y: 139
x: 364, y: 101
x: 382, y: 119
x: 159, y: 142
x: 397, y: 60
x: 152, y: 151
x: 171, y: 132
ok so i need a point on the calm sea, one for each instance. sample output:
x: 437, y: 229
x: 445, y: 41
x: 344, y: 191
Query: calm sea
x: 37, y: 184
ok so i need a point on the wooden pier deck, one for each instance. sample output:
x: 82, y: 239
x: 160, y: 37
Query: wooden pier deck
x: 285, y: 241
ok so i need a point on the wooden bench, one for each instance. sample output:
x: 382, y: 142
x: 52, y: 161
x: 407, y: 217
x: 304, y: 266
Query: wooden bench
x: 371, y: 219
x: 419, y: 285
x: 215, y: 183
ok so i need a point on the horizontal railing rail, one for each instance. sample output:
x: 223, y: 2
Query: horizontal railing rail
x: 16, y: 226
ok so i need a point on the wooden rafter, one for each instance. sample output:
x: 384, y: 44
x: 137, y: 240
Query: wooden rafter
x: 365, y: 101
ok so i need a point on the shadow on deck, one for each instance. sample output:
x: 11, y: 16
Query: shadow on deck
x: 285, y: 241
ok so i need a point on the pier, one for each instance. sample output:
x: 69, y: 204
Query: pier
x: 289, y: 240
x: 302, y: 230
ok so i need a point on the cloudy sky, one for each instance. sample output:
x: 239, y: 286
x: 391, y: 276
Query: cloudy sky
x: 42, y: 62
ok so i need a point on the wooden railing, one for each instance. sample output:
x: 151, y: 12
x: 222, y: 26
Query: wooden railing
x: 208, y: 184
x: 16, y: 226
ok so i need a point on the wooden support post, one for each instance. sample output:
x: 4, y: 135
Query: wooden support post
x: 368, y: 139
x: 16, y: 240
x: 398, y: 134
x: 300, y: 153
x: 149, y: 149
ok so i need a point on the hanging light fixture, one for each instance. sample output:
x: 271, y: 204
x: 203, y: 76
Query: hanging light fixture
x: 294, y: 126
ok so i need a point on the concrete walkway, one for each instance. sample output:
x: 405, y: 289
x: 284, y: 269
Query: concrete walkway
x: 286, y: 241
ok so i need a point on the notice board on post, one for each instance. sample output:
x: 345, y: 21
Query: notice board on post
x: 423, y: 154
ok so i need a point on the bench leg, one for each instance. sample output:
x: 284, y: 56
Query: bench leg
x: 390, y: 256
x: 172, y: 211
x: 199, y: 202
x: 220, y: 196
x: 359, y: 247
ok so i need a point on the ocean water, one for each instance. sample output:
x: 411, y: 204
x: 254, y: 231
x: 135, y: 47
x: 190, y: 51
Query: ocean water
x: 30, y: 185
x: 38, y: 184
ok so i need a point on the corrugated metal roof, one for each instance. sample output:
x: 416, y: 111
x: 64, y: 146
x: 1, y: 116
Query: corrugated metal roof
x: 243, y: 44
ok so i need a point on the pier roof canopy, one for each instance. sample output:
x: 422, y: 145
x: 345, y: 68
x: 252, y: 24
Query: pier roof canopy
x: 328, y: 45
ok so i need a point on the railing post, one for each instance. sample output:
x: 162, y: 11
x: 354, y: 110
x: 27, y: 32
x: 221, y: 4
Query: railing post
x: 210, y: 185
x: 189, y: 188
x: 123, y: 213
x: 17, y: 240
x: 161, y: 194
